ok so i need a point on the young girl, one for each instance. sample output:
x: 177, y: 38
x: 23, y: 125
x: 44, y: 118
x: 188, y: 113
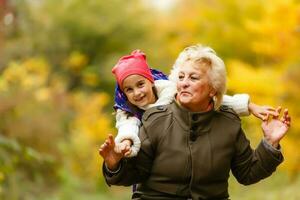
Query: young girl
x: 139, y: 88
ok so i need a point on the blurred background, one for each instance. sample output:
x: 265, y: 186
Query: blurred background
x: 56, y: 86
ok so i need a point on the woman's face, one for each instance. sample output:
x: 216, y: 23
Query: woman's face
x: 138, y: 90
x: 194, y: 91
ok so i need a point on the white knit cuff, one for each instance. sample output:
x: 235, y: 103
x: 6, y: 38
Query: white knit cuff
x: 129, y: 132
x: 239, y: 103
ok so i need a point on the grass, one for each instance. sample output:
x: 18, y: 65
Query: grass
x: 277, y: 187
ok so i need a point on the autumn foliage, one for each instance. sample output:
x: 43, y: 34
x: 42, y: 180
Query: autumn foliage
x: 56, y: 87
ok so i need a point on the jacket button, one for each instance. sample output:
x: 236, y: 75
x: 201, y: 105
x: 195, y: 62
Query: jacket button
x: 224, y: 107
x: 159, y: 107
x: 193, y: 135
x: 194, y: 117
x: 194, y: 127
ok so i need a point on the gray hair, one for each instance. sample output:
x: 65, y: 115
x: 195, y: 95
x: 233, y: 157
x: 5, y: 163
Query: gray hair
x: 216, y: 72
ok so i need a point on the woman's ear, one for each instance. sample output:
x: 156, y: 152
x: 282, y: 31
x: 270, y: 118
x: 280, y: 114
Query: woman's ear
x: 212, y: 93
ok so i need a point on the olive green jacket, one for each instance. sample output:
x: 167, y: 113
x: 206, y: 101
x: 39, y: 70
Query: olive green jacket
x: 189, y: 155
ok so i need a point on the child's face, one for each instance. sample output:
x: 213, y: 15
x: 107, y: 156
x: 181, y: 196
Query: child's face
x: 138, y: 90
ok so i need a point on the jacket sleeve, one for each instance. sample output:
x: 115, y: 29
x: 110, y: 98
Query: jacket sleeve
x: 166, y: 91
x: 250, y: 166
x: 239, y: 103
x: 133, y: 170
x: 128, y: 128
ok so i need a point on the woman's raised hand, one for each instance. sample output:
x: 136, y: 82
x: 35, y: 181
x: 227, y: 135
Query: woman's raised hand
x: 109, y: 153
x: 274, y: 128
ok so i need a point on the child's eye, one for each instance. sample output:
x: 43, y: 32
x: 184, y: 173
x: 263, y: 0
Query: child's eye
x: 127, y: 90
x: 141, y: 84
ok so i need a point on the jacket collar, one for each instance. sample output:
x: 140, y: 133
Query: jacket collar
x: 196, y: 121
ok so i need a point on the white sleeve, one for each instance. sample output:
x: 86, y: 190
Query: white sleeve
x: 128, y: 128
x: 166, y: 91
x: 239, y: 103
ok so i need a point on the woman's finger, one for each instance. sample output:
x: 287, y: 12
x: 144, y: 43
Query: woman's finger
x: 278, y: 110
x: 111, y: 139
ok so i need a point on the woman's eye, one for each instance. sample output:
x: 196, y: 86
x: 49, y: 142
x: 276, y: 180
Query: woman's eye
x: 180, y: 77
x: 194, y: 78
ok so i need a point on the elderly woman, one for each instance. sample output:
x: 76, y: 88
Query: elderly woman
x: 189, y: 147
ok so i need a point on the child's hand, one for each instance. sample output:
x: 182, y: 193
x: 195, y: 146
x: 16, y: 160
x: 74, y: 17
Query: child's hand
x: 124, y: 147
x: 262, y: 112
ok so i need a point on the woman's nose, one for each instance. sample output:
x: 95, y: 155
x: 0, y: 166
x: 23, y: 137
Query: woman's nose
x: 184, y: 83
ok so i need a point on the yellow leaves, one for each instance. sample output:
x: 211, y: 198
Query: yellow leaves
x: 292, y: 158
x: 37, y: 108
x: 42, y: 94
x: 277, y: 30
x: 267, y: 85
x: 89, y: 119
x: 2, y: 176
x: 37, y: 66
x: 292, y: 81
x: 30, y: 74
x: 11, y: 76
x: 263, y: 82
x: 37, y: 72
x: 89, y: 128
x: 76, y: 61
x: 90, y: 79
x: 84, y: 160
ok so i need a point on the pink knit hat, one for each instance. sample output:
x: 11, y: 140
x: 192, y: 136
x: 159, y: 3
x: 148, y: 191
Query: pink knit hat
x: 135, y: 63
